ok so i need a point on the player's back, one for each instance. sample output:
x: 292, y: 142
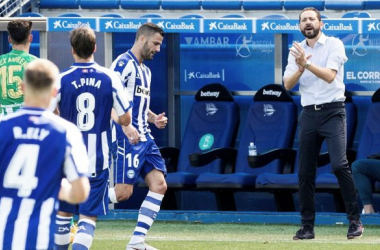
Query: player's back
x: 12, y: 67
x: 86, y: 99
x: 32, y: 152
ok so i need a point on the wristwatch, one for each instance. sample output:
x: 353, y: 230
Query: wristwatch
x: 308, y: 63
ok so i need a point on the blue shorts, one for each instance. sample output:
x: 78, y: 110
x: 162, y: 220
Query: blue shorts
x: 133, y: 161
x: 97, y: 202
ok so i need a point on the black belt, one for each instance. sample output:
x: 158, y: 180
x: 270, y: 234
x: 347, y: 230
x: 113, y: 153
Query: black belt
x: 324, y: 106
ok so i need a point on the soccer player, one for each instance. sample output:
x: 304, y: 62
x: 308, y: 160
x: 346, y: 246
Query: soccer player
x: 87, y: 93
x: 137, y: 153
x: 37, y: 150
x: 12, y: 65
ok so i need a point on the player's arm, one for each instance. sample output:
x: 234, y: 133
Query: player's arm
x: 159, y: 120
x: 124, y: 119
x: 75, y: 192
x: 76, y: 187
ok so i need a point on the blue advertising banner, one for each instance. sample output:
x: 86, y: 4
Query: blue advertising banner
x: 179, y: 25
x: 228, y: 25
x: 362, y: 72
x: 120, y: 24
x: 371, y: 26
x: 341, y: 26
x: 277, y: 26
x: 69, y: 23
x: 239, y: 61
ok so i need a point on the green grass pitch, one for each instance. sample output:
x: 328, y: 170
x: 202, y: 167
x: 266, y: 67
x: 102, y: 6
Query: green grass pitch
x: 114, y: 235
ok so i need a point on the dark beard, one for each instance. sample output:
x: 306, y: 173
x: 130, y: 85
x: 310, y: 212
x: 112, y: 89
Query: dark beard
x: 146, y: 55
x: 314, y: 34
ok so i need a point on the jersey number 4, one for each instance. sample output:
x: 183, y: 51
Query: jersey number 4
x: 21, y: 171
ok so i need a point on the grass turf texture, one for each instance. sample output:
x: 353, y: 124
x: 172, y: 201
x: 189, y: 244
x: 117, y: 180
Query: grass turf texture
x: 114, y: 235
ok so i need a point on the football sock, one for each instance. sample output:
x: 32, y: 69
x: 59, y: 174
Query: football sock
x: 85, y: 235
x: 148, y: 212
x: 62, y: 232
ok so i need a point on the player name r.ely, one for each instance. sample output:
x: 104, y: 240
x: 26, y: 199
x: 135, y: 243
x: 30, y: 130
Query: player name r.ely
x: 31, y: 133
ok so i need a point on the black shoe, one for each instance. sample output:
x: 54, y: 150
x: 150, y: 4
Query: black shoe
x: 355, y: 230
x: 305, y: 233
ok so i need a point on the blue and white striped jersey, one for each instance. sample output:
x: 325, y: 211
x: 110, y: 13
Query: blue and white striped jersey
x: 37, y: 150
x: 136, y: 79
x: 86, y: 95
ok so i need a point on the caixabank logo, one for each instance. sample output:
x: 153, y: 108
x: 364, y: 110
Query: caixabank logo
x: 178, y: 25
x: 69, y: 23
x: 371, y: 26
x: 120, y: 24
x: 277, y: 26
x: 227, y: 26
x: 191, y: 75
x: 340, y: 26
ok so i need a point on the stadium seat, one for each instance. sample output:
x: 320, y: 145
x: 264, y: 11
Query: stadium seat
x: 234, y: 16
x: 100, y: 4
x: 181, y: 5
x: 344, y: 5
x: 262, y: 5
x: 71, y: 15
x: 275, y: 16
x: 212, y: 123
x: 271, y: 124
x: 192, y: 16
x: 282, y: 186
x: 59, y: 4
x: 140, y: 5
x: 369, y: 143
x: 153, y: 15
x: 372, y: 5
x: 221, y: 4
x: 115, y: 15
x: 301, y: 4
x: 356, y: 14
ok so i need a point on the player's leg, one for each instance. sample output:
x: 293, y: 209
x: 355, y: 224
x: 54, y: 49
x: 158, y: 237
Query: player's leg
x: 94, y: 206
x: 62, y: 236
x: 85, y: 234
x: 121, y: 192
x: 124, y: 172
x: 154, y: 172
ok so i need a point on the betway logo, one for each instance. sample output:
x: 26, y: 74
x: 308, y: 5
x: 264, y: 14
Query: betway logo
x: 209, y: 93
x: 277, y: 26
x: 340, y: 26
x: 271, y: 92
x: 224, y: 26
x: 122, y: 25
x: 141, y: 91
x: 176, y: 26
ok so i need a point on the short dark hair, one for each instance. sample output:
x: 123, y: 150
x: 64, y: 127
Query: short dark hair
x: 312, y: 9
x: 83, y: 41
x: 40, y: 74
x: 19, y: 30
x: 148, y: 29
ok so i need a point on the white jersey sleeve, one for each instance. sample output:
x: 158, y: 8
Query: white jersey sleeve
x: 76, y: 160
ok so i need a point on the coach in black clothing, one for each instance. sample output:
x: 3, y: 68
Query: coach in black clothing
x: 317, y: 64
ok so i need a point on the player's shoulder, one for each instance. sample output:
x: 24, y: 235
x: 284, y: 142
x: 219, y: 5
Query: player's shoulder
x: 122, y: 61
x: 61, y: 125
x: 31, y: 57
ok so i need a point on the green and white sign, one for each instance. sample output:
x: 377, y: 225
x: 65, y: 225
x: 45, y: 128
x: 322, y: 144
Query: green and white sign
x: 206, y: 141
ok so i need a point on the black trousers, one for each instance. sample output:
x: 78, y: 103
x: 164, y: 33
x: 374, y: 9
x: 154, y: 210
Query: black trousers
x: 315, y: 126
